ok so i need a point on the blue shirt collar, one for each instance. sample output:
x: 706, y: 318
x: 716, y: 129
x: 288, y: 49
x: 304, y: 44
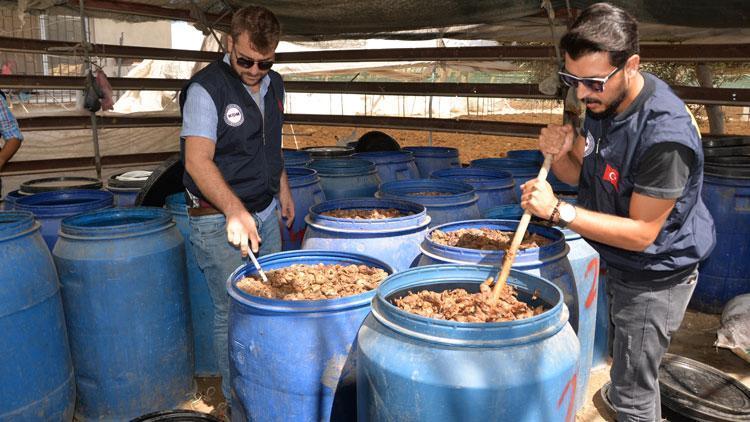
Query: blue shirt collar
x: 264, y: 83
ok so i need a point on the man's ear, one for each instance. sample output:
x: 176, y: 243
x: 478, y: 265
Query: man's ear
x: 230, y: 43
x: 632, y: 65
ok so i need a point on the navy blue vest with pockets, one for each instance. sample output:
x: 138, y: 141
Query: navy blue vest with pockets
x: 614, y: 148
x: 248, y: 147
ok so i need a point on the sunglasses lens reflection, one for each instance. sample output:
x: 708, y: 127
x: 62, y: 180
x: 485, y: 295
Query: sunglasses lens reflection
x: 247, y: 64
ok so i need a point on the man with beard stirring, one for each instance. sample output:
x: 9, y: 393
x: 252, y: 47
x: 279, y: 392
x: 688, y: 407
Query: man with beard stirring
x: 638, y: 164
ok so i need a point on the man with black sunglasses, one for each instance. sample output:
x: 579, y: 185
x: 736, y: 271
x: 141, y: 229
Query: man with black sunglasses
x: 638, y: 164
x: 232, y: 115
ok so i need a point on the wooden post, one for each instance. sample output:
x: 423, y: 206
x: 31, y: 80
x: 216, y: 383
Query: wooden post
x: 715, y: 112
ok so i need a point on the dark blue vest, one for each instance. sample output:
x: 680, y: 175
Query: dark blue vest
x: 614, y: 149
x: 248, y: 147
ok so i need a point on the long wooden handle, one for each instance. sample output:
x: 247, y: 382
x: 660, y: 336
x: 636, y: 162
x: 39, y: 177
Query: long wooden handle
x: 510, y: 255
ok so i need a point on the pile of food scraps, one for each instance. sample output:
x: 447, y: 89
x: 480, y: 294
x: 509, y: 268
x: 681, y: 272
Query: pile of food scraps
x: 314, y: 282
x: 462, y: 306
x: 486, y: 239
x: 367, y: 214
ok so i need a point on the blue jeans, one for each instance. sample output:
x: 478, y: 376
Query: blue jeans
x: 217, y: 258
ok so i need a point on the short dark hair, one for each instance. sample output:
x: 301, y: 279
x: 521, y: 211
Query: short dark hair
x: 261, y: 26
x: 602, y: 27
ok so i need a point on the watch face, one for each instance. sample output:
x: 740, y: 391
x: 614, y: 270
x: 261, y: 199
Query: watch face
x: 567, y: 213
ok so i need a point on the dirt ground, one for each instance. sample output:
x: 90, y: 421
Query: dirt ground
x: 693, y: 340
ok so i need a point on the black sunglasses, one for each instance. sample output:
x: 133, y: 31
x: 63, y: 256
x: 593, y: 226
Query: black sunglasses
x: 247, y: 63
x: 594, y: 84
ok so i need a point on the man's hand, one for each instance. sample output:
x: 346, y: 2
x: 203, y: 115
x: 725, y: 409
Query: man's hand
x: 556, y: 140
x: 538, y: 198
x: 241, y: 228
x: 287, y: 207
x: 285, y: 200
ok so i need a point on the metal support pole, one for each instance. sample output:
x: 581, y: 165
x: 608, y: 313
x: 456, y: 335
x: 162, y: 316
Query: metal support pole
x: 87, y: 62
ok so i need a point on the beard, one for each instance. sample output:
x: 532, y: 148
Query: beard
x: 611, y: 109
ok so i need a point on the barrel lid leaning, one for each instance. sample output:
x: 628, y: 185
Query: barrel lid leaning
x: 49, y: 184
x: 164, y: 180
x: 702, y: 392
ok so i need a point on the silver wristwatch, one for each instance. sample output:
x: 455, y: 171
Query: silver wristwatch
x: 567, y: 214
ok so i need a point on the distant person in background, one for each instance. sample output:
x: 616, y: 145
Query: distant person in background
x: 639, y: 169
x: 11, y: 135
x: 376, y: 140
x: 232, y: 115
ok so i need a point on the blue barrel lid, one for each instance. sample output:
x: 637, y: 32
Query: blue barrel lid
x: 458, y: 193
x: 509, y: 164
x: 532, y: 256
x: 533, y: 155
x: 296, y: 158
x: 477, y: 177
x: 301, y: 176
x: 417, y: 220
x: 116, y: 221
x: 386, y: 157
x: 343, y: 167
x: 468, y: 334
x: 309, y: 257
x: 15, y: 222
x: 65, y: 202
x: 438, y: 152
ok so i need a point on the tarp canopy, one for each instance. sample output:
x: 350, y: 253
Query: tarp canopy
x: 500, y: 20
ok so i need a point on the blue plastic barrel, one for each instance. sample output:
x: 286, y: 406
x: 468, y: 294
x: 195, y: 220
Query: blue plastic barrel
x: 346, y: 177
x: 494, y: 187
x: 306, y: 192
x: 585, y: 264
x: 51, y: 207
x: 412, y: 368
x: 457, y: 202
x: 122, y: 272
x: 548, y: 261
x: 295, y: 158
x: 294, y: 360
x: 522, y: 170
x: 201, y: 306
x: 392, y: 240
x: 726, y: 272
x: 533, y: 155
x: 601, y: 336
x: 126, y: 186
x: 332, y: 151
x: 9, y: 202
x: 429, y: 159
x: 505, y: 212
x: 36, y: 374
x: 392, y: 165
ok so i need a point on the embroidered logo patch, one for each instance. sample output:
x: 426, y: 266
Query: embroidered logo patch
x: 612, y: 176
x: 233, y: 115
x: 589, y: 145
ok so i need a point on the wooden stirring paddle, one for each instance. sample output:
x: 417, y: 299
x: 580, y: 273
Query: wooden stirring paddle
x: 510, y: 255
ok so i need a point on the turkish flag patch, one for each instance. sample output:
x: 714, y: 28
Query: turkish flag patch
x: 281, y: 105
x: 612, y: 176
